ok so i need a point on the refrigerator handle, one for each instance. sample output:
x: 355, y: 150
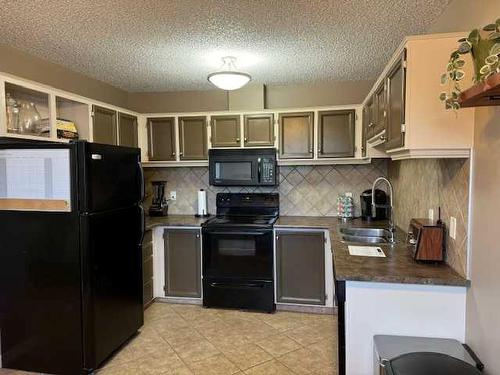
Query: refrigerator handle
x: 141, y: 173
x: 143, y: 224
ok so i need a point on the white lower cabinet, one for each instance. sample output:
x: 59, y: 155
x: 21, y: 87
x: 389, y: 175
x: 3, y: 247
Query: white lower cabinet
x: 398, y: 309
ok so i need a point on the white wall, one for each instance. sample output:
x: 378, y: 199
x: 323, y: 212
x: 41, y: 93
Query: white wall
x: 483, y: 297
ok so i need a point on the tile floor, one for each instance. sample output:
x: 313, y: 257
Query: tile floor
x: 188, y: 339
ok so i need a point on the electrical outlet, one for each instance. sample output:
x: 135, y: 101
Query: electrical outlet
x: 453, y: 228
x: 173, y: 195
x: 431, y: 214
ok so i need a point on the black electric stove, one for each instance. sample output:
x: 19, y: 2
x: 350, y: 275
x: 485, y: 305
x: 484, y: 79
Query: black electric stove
x: 238, y: 252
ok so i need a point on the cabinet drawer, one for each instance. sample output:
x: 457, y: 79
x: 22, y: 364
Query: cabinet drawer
x: 147, y: 292
x: 147, y: 269
x: 147, y: 251
x: 148, y: 237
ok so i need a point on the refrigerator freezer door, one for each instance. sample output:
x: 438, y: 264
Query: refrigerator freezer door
x: 112, y: 264
x: 40, y: 292
x: 110, y: 177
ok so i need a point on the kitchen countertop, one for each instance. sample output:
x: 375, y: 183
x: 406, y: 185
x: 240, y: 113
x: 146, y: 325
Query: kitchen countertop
x: 174, y: 221
x: 397, y: 267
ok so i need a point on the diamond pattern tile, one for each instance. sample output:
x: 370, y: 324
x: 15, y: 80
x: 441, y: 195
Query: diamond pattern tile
x: 304, y: 190
x: 431, y: 183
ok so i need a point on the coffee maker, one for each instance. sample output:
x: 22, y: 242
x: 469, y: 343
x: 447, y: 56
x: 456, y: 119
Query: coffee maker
x: 366, y: 205
x: 159, y: 206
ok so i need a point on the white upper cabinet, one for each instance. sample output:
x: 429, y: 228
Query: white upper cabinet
x: 416, y: 124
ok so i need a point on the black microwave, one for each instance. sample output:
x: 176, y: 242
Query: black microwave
x: 242, y: 167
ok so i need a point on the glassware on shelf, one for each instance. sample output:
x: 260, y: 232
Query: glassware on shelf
x: 29, y: 119
x: 12, y: 114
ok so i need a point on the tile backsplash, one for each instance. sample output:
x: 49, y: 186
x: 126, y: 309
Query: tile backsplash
x: 304, y: 190
x: 422, y: 184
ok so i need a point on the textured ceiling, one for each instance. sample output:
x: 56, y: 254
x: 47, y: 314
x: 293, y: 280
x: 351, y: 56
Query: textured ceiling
x: 173, y: 44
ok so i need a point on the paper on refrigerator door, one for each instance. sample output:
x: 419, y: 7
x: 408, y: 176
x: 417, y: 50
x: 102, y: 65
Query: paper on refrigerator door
x: 35, y: 174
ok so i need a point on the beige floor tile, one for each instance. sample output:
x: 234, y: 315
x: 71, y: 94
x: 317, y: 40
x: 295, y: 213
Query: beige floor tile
x: 158, y: 311
x: 181, y: 336
x: 155, y: 364
x: 196, y: 351
x: 307, y: 335
x: 167, y: 324
x: 269, y: 368
x: 216, y: 365
x: 326, y: 348
x: 147, y: 342
x: 227, y: 339
x: 278, y: 345
x: 187, y: 339
x: 304, y: 361
x: 246, y: 356
x: 283, y: 320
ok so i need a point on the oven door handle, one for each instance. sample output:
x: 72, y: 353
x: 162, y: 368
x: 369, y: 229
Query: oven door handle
x: 236, y: 286
x: 238, y: 233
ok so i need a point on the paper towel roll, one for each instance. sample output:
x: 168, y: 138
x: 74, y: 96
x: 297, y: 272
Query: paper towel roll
x: 202, y: 203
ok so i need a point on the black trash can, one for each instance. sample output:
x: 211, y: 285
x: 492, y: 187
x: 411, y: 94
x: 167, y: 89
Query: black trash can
x: 428, y: 363
x: 404, y: 355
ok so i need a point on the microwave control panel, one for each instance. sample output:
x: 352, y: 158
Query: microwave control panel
x: 268, y: 174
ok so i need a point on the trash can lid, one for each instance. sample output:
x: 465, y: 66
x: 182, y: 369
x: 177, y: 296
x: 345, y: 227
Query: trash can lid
x: 429, y: 363
x: 389, y: 347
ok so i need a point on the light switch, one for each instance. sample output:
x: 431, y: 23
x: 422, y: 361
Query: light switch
x: 453, y: 227
x: 173, y: 195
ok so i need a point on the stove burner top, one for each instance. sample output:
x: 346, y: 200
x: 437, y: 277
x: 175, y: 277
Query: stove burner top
x: 242, y: 220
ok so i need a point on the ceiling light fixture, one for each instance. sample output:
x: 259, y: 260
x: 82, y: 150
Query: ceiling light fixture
x: 228, y: 78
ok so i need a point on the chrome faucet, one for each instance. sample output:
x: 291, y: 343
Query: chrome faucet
x: 392, y: 227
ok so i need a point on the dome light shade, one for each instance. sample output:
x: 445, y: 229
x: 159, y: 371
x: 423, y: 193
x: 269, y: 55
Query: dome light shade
x: 228, y: 78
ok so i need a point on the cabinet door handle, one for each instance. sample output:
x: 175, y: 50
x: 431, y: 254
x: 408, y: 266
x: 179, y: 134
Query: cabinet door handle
x: 173, y: 153
x: 310, y: 150
x: 198, y: 236
x: 383, y: 137
x: 370, y: 124
x: 237, y: 139
x: 180, y: 153
x: 246, y: 139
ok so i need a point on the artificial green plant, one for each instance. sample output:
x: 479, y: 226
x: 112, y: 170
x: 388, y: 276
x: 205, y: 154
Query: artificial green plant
x: 484, y: 47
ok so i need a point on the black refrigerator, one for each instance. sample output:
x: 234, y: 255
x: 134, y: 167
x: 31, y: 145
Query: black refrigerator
x: 70, y: 280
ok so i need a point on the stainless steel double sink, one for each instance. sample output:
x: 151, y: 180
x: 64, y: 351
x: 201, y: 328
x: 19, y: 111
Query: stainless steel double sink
x: 365, y: 235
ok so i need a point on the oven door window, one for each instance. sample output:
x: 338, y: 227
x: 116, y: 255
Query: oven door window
x: 233, y: 171
x: 238, y: 254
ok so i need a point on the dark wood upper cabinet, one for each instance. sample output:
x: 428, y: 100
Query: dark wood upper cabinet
x: 336, y: 133
x: 396, y: 93
x: 300, y: 267
x: 127, y: 130
x: 193, y: 138
x: 296, y: 135
x: 371, y: 118
x: 104, y: 125
x: 225, y: 131
x: 182, y: 262
x: 259, y: 130
x: 364, y: 133
x: 161, y: 139
x: 380, y: 109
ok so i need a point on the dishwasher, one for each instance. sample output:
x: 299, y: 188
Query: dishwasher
x: 404, y: 355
